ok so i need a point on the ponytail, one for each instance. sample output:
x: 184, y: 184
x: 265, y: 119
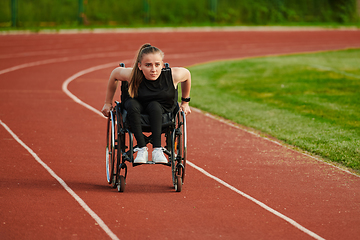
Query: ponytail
x: 136, y: 74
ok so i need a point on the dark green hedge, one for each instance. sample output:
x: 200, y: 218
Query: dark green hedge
x: 35, y: 13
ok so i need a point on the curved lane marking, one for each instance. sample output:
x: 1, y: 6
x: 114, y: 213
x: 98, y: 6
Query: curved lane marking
x: 83, y: 72
x: 101, y: 55
x: 63, y: 184
x: 77, y: 100
x: 57, y: 60
x: 278, y: 214
x: 229, y: 123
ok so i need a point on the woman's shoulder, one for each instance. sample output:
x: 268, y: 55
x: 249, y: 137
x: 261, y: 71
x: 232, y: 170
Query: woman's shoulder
x: 180, y: 74
x: 121, y: 73
x: 180, y: 70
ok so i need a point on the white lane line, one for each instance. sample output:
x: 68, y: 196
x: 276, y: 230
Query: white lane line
x: 229, y: 123
x: 287, y: 219
x: 83, y: 72
x: 88, y: 56
x: 73, y: 77
x: 57, y: 60
x: 63, y: 184
x: 280, y: 215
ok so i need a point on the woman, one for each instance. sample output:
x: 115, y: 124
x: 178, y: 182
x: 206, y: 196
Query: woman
x: 152, y: 90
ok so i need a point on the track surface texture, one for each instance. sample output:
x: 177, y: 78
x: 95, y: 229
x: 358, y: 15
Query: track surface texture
x: 238, y: 185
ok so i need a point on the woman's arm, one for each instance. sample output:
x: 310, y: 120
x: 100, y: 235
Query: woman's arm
x: 118, y: 74
x: 183, y: 76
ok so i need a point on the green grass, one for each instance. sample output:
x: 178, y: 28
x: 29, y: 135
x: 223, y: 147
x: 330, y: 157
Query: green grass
x: 311, y: 101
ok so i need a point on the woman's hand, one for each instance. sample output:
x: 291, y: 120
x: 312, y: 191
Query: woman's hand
x: 185, y: 108
x: 106, y: 109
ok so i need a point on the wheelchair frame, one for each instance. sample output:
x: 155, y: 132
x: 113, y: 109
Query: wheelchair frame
x: 118, y: 152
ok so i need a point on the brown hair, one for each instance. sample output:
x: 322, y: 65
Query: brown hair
x: 136, y: 74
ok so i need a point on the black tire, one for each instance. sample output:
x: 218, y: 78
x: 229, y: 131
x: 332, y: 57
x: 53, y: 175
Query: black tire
x: 183, y: 146
x: 118, y: 145
x: 173, y: 158
x: 178, y: 152
x: 110, y: 150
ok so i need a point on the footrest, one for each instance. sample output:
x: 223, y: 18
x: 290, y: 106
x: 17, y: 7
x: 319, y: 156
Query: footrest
x: 151, y: 163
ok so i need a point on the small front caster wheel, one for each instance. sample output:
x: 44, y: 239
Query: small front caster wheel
x: 178, y: 183
x: 121, y: 184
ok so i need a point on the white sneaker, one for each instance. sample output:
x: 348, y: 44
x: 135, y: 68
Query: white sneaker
x: 142, y: 155
x: 158, y: 156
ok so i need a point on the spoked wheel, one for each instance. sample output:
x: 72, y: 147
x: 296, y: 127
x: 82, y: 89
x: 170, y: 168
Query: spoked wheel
x: 179, y: 152
x: 183, y: 145
x: 120, y: 165
x: 111, y: 150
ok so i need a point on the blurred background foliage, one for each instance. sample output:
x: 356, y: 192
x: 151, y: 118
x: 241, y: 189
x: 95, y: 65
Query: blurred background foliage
x: 74, y: 13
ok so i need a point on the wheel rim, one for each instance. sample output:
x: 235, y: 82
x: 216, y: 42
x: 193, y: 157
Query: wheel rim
x: 108, y: 170
x: 110, y: 150
x: 184, y: 145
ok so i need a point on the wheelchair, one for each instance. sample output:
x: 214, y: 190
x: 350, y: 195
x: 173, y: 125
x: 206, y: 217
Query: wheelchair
x: 120, y: 144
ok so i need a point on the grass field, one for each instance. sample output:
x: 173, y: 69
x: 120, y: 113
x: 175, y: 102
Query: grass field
x: 311, y: 101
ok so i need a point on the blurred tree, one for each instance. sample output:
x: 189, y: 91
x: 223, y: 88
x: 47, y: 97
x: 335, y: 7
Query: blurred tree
x: 81, y: 12
x: 14, y: 12
x: 343, y: 10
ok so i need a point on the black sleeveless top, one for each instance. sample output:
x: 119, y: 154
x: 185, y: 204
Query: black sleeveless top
x: 161, y: 90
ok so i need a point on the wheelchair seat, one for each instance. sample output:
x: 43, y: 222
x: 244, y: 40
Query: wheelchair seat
x: 168, y: 119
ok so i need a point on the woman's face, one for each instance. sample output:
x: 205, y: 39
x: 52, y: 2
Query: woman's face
x: 151, y: 65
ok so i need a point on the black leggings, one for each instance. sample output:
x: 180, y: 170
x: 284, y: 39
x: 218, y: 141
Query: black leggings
x: 155, y: 111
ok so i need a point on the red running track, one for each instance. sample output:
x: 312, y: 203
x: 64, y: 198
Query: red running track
x: 238, y: 185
